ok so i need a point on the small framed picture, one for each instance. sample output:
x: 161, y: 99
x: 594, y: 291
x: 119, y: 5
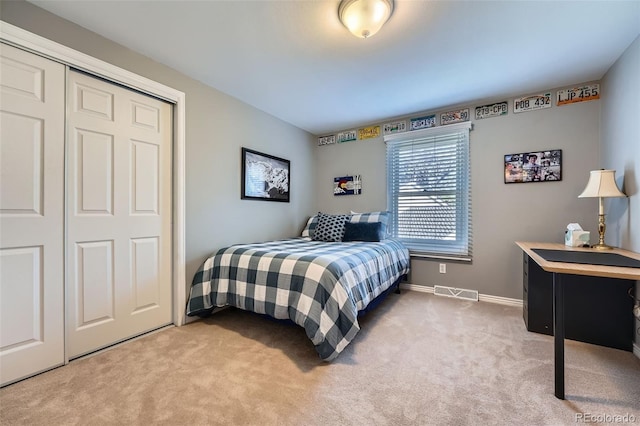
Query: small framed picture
x: 347, y: 185
x: 264, y: 177
x: 536, y: 166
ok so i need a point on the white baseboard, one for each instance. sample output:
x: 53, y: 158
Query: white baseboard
x: 413, y: 287
x: 492, y: 299
x: 482, y: 297
x: 501, y: 300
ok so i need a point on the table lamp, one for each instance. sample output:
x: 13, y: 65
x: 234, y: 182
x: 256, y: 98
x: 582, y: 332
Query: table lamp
x: 602, y: 183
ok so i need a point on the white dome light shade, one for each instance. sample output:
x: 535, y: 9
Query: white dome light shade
x: 364, y: 18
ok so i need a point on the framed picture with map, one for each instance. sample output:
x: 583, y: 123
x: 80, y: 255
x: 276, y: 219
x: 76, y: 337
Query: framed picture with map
x: 264, y: 177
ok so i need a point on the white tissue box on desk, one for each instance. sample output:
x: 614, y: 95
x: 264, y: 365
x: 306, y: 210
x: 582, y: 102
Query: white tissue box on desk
x: 576, y: 238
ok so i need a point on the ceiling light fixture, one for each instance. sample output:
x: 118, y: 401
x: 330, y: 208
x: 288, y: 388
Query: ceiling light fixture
x: 364, y: 18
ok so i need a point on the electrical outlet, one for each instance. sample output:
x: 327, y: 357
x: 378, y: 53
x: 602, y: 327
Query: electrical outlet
x: 636, y: 310
x: 443, y: 268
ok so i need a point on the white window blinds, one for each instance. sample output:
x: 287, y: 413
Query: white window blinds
x: 428, y: 190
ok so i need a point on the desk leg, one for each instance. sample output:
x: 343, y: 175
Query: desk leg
x: 558, y: 334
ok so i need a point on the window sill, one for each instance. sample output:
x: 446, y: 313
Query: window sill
x: 435, y: 256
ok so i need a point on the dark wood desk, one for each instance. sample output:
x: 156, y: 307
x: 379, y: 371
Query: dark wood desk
x: 559, y: 269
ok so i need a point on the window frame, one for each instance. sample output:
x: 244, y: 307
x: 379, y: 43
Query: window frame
x: 461, y: 247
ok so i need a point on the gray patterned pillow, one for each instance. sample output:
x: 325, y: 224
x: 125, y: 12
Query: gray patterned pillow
x: 310, y: 227
x: 330, y: 227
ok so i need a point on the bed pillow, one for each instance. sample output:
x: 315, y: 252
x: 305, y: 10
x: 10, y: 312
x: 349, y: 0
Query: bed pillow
x: 310, y: 227
x: 330, y: 227
x: 365, y: 231
x: 382, y: 217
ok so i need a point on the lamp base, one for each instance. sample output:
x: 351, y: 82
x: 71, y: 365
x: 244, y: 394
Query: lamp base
x: 601, y: 229
x: 601, y: 247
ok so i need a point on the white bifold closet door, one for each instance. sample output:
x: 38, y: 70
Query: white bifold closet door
x: 118, y: 183
x: 32, y: 105
x: 85, y: 222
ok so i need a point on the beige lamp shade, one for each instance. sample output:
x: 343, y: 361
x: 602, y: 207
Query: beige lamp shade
x: 364, y: 18
x: 602, y: 183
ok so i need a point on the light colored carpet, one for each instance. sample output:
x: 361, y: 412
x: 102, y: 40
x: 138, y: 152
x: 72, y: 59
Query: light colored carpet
x: 419, y: 359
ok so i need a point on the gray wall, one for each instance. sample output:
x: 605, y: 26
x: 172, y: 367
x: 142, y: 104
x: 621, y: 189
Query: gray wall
x: 502, y: 213
x: 620, y: 150
x: 217, y: 126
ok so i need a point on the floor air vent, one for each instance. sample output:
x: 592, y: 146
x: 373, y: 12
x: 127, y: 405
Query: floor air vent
x: 458, y: 293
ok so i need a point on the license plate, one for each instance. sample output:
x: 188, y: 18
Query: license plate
x: 395, y: 127
x: 454, y: 116
x: 369, y: 132
x: 578, y: 94
x: 347, y: 136
x: 326, y: 140
x: 532, y: 102
x: 492, y: 110
x: 423, y: 122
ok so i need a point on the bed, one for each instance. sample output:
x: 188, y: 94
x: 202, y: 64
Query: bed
x: 319, y: 285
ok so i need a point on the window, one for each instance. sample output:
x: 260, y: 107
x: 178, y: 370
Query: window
x: 428, y: 190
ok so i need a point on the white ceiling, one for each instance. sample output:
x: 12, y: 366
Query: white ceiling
x: 295, y: 60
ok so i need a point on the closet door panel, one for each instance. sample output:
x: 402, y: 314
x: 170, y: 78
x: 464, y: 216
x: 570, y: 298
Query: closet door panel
x: 145, y: 178
x: 95, y: 284
x: 32, y: 105
x: 22, y: 303
x: 119, y: 191
x: 22, y: 162
x: 145, y: 274
x: 94, y: 156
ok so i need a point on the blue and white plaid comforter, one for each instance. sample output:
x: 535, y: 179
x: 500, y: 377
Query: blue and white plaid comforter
x: 318, y: 285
